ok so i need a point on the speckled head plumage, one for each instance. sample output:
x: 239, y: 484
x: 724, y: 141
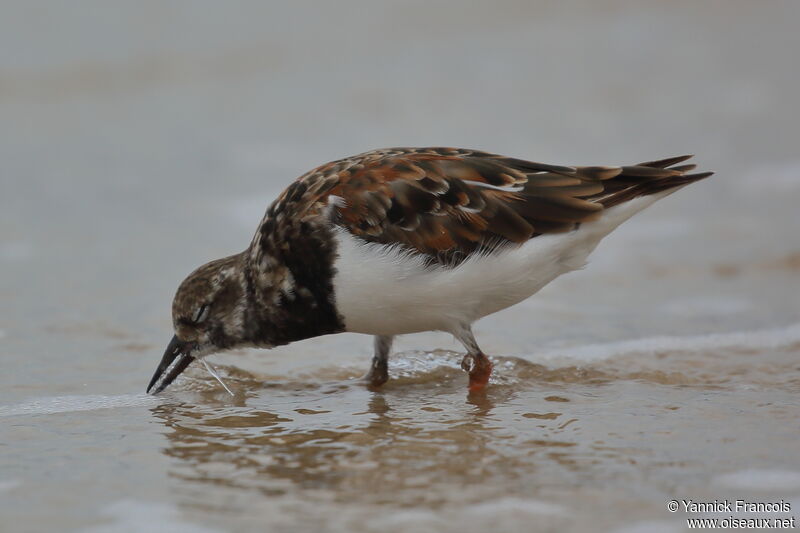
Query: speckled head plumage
x: 209, y: 307
x: 208, y: 315
x: 277, y: 291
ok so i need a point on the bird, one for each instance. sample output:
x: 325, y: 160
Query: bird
x: 404, y: 240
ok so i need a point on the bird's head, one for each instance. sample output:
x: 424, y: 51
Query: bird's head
x: 208, y: 315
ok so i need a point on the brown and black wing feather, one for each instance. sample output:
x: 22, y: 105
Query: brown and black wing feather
x: 447, y: 203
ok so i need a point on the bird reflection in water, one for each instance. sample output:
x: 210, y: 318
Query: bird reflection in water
x: 398, y: 445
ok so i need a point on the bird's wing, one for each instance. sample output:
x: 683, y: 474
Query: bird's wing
x: 447, y: 203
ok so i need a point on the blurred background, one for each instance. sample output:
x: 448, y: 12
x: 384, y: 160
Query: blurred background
x: 141, y: 139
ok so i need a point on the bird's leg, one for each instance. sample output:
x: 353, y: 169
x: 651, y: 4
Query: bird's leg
x: 379, y: 371
x: 475, y: 363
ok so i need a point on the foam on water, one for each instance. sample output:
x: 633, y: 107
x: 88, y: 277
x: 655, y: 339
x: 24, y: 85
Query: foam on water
x: 67, y: 404
x: 413, y: 363
x: 766, y: 339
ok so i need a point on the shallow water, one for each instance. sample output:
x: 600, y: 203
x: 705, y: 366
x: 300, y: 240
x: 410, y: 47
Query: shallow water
x: 594, y: 445
x: 668, y: 369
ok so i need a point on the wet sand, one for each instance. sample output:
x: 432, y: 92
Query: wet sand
x: 133, y: 152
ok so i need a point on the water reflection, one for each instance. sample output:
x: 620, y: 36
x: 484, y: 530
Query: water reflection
x: 423, y: 439
x: 384, y: 446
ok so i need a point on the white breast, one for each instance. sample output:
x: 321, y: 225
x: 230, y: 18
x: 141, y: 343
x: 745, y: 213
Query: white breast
x: 386, y: 290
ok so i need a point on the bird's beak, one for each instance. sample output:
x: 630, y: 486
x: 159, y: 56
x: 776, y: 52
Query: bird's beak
x: 177, y: 349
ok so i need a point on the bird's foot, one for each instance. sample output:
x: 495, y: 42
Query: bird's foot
x: 479, y: 368
x: 378, y: 374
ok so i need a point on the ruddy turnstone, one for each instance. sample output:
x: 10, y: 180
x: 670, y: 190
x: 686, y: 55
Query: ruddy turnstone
x: 404, y: 240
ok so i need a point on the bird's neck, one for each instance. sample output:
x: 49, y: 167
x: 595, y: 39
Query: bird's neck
x: 290, y: 288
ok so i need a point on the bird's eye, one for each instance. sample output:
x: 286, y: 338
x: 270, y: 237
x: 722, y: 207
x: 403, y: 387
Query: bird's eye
x: 201, y: 314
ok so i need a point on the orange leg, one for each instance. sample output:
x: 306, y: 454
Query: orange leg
x: 475, y: 362
x: 479, y: 368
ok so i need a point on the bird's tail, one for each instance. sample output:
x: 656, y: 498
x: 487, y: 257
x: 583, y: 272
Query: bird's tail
x: 645, y: 179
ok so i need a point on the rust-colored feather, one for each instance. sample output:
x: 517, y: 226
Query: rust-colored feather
x: 449, y: 202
